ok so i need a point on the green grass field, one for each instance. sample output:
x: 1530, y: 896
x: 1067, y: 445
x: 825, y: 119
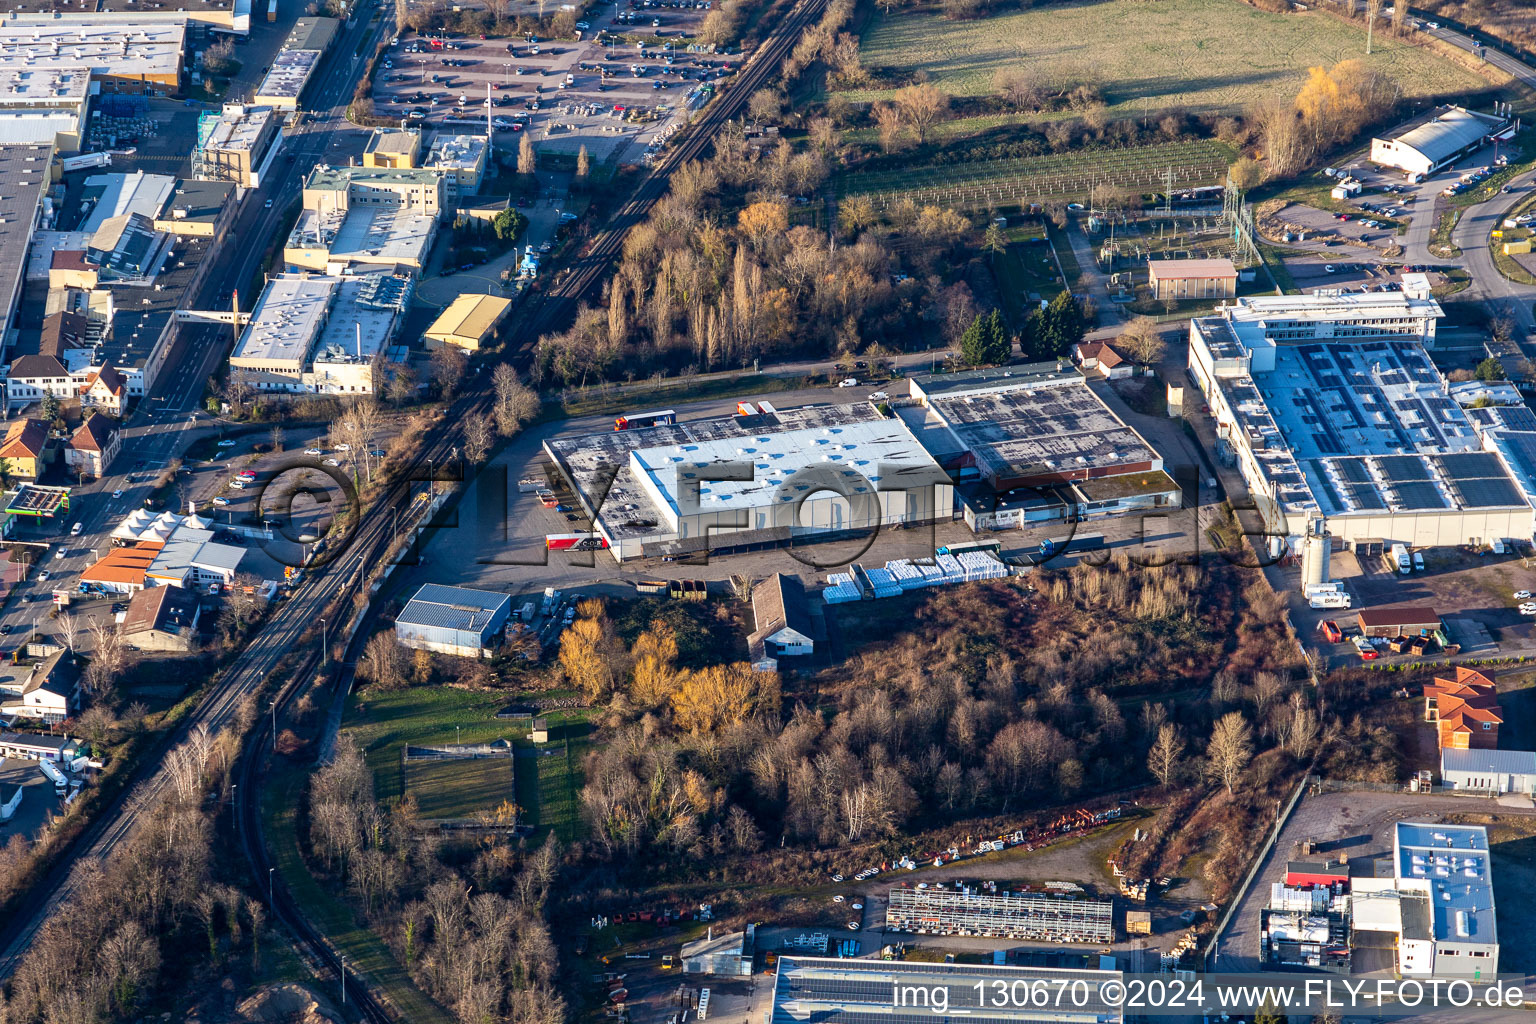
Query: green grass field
x: 385, y: 723
x: 459, y: 788
x: 1057, y: 176
x: 1023, y: 270
x: 1204, y: 55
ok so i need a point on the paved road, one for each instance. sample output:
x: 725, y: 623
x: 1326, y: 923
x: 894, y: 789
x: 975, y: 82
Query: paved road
x: 1471, y: 236
x: 160, y: 429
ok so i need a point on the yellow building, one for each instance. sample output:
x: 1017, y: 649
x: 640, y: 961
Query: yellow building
x: 469, y: 323
x: 399, y: 149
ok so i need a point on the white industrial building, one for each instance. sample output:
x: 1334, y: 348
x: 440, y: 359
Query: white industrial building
x: 1338, y: 420
x: 362, y: 239
x: 286, y: 78
x: 796, y: 475
x: 318, y: 334
x: 462, y: 160
x: 1451, y: 134
x: 824, y: 990
x: 453, y: 620
x: 1443, y: 888
x: 1488, y: 771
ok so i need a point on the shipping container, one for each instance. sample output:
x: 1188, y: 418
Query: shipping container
x: 1331, y: 631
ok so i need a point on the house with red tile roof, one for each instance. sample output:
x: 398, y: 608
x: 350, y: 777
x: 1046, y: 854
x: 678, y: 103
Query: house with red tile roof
x: 1465, y: 709
x: 22, y: 448
x: 104, y: 390
x: 93, y: 445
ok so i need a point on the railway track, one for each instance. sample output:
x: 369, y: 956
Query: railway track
x: 115, y: 823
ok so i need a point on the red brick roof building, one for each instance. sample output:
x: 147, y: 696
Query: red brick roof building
x: 1465, y: 709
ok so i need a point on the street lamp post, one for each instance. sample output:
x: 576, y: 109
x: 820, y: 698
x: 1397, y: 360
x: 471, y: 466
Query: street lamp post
x: 325, y: 652
x: 271, y: 901
x: 343, y: 979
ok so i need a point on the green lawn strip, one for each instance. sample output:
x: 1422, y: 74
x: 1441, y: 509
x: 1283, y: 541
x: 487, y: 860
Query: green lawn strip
x: 1070, y: 269
x: 1440, y: 235
x: 1278, y: 270
x: 1062, y: 171
x: 1506, y: 264
x: 1020, y: 273
x: 365, y: 951
x: 1457, y: 280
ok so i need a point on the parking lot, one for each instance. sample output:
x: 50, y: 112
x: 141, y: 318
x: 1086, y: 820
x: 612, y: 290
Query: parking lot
x: 616, y: 91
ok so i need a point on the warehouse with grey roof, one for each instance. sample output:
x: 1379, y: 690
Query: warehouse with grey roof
x: 1445, y: 138
x: 453, y: 620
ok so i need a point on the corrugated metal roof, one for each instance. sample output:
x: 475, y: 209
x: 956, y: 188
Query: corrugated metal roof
x: 452, y: 607
x: 1493, y: 762
x: 1451, y: 131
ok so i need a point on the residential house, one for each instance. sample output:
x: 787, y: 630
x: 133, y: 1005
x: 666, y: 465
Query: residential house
x: 161, y: 619
x: 1465, y: 709
x: 22, y: 449
x: 93, y: 446
x: 46, y: 691
x: 104, y: 390
x: 30, y: 378
x: 783, y: 622
x: 1100, y: 358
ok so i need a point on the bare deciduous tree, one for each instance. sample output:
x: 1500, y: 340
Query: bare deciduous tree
x: 1230, y: 749
x: 1166, y: 755
x: 478, y: 436
x: 920, y: 106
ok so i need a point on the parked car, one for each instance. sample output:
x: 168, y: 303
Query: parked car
x: 226, y: 443
x: 848, y: 382
x: 879, y: 396
x: 313, y: 451
x: 221, y: 500
x: 332, y: 462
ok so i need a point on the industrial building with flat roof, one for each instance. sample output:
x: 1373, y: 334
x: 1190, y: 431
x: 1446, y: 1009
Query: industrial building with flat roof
x: 237, y: 144
x: 453, y: 620
x: 313, y: 33
x: 1450, y: 865
x: 1037, y: 429
x: 462, y: 159
x: 360, y: 239
x: 337, y: 188
x: 286, y: 78
x: 392, y: 147
x: 24, y: 177
x: 469, y: 322
x: 774, y: 477
x: 1335, y: 414
x: 1451, y: 134
x: 319, y: 334
x: 824, y: 990
x: 132, y: 56
x: 1006, y: 915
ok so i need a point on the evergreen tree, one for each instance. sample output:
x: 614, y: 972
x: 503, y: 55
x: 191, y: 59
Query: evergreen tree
x: 973, y: 343
x: 999, y: 345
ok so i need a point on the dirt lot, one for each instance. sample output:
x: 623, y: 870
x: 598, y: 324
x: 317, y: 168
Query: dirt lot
x: 614, y: 98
